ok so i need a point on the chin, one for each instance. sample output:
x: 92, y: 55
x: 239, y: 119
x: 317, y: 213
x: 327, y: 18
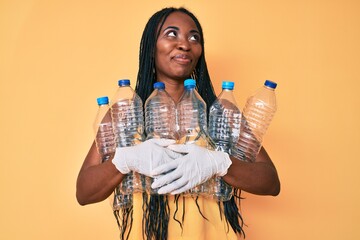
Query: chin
x: 183, y: 75
x: 183, y: 78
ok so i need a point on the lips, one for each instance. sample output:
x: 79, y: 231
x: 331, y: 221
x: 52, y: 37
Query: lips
x: 182, y: 58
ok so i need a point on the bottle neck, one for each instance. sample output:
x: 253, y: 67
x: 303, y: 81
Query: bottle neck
x: 189, y: 88
x: 269, y: 88
x: 228, y: 94
x: 188, y: 91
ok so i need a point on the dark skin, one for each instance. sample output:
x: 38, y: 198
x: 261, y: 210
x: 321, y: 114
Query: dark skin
x: 177, y: 51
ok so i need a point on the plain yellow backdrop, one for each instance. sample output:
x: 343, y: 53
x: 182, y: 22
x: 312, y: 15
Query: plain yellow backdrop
x: 57, y: 57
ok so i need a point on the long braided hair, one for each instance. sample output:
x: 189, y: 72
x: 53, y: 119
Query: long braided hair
x: 155, y: 207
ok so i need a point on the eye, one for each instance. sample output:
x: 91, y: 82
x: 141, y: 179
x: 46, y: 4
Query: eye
x: 171, y: 34
x: 195, y: 37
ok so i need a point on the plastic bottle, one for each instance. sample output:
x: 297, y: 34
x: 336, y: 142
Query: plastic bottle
x: 225, y: 118
x: 104, y: 135
x: 127, y: 115
x: 192, y: 118
x: 160, y: 114
x: 106, y: 146
x: 160, y: 119
x: 192, y: 122
x: 257, y: 115
x: 224, y: 129
x: 128, y: 124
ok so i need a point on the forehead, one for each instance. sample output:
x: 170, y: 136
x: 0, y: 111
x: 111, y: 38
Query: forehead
x: 179, y: 19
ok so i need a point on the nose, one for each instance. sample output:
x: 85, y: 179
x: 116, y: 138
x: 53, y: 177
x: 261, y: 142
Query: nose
x: 184, y: 45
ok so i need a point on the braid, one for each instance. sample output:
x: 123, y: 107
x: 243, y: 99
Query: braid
x: 146, y: 74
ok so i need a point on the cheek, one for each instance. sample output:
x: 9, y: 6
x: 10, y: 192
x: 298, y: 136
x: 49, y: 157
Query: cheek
x: 161, y: 53
x: 163, y: 47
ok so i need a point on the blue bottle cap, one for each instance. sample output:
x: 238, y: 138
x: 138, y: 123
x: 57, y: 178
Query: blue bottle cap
x: 124, y: 82
x: 270, y: 84
x: 189, y: 83
x: 227, y: 85
x: 102, y: 100
x: 159, y: 85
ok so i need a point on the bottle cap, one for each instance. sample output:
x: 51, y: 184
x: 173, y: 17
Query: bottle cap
x: 124, y: 82
x: 189, y: 83
x: 159, y: 85
x: 227, y: 85
x: 102, y: 100
x: 270, y: 84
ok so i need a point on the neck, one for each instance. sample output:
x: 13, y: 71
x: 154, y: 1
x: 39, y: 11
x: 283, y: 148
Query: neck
x: 174, y: 88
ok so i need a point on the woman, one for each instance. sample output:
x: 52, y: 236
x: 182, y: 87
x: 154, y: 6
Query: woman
x: 172, y: 50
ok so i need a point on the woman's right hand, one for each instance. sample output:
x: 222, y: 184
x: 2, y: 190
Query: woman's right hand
x: 144, y: 157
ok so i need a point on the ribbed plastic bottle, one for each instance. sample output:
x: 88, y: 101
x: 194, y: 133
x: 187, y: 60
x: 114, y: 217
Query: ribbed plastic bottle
x: 128, y: 123
x: 192, y: 118
x: 160, y: 119
x: 106, y: 146
x: 104, y: 135
x: 257, y: 115
x: 160, y: 114
x: 192, y: 122
x: 224, y: 129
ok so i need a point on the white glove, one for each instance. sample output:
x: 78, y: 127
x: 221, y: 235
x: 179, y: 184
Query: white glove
x: 144, y: 157
x: 190, y: 170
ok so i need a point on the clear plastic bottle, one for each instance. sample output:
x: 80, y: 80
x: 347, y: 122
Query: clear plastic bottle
x: 128, y: 123
x: 224, y: 129
x: 192, y: 122
x: 257, y: 115
x: 106, y: 146
x: 160, y: 120
x: 104, y: 135
x: 160, y: 114
x: 225, y: 118
x: 192, y: 118
x: 127, y: 115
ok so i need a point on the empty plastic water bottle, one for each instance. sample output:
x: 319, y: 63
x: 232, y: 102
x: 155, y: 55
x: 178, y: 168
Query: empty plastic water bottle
x: 192, y: 122
x: 128, y: 124
x: 225, y: 119
x: 224, y: 128
x: 257, y: 115
x: 104, y: 135
x: 160, y: 119
x: 127, y: 115
x: 192, y: 118
x: 160, y: 114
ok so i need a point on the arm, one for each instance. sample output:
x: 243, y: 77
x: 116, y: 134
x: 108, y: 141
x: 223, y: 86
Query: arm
x: 96, y: 180
x: 259, y: 177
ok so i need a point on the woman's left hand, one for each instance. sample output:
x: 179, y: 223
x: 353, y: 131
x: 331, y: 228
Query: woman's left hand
x: 195, y: 167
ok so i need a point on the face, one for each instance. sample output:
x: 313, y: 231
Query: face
x: 178, y: 48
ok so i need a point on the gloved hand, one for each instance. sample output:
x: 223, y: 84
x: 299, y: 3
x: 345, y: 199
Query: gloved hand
x: 144, y: 157
x: 190, y: 170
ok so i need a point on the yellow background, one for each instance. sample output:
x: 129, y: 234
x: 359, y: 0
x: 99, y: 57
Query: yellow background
x: 57, y: 57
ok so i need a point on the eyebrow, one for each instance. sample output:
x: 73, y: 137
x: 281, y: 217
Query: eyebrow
x: 176, y: 28
x: 171, y: 27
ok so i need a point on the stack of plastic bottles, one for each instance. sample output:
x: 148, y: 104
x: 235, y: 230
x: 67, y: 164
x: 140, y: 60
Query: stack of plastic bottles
x: 239, y: 134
